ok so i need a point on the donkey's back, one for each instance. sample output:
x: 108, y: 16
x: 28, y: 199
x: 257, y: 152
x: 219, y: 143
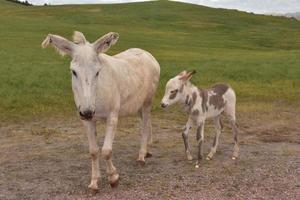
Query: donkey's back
x: 139, y: 58
x: 136, y: 78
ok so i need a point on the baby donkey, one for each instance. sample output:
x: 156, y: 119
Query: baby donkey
x: 202, y: 104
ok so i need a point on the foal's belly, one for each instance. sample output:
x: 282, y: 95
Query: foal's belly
x: 212, y: 112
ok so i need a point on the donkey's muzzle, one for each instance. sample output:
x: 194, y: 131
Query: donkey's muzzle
x: 87, y: 114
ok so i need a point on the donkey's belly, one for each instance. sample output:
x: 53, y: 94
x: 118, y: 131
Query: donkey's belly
x: 129, y: 110
x: 126, y: 109
x: 132, y: 105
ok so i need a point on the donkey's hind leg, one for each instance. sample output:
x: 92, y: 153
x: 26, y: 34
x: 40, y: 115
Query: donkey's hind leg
x: 150, y: 135
x: 218, y: 128
x: 230, y: 112
x: 145, y: 133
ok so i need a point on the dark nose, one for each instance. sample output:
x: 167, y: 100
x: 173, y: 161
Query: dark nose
x: 163, y: 105
x: 87, y: 114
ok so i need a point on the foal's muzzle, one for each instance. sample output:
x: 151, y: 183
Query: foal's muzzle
x: 163, y: 105
x: 87, y: 114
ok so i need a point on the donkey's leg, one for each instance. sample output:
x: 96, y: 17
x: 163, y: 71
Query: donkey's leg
x: 235, y: 135
x: 145, y: 132
x: 111, y: 124
x: 218, y: 127
x: 200, y: 140
x: 230, y: 112
x: 185, y: 137
x: 150, y: 134
x: 94, y: 151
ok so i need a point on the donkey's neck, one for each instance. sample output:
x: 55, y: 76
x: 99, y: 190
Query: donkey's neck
x: 109, y: 69
x: 111, y: 65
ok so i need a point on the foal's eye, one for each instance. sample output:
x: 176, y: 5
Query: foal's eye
x: 97, y: 73
x: 74, y: 73
x: 174, y: 91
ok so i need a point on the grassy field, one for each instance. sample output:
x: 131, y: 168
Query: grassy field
x: 258, y: 55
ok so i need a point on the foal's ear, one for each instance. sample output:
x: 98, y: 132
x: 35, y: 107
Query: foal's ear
x: 185, y: 76
x: 105, y: 42
x: 62, y: 45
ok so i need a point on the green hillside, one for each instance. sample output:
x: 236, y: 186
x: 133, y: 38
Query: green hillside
x: 258, y: 55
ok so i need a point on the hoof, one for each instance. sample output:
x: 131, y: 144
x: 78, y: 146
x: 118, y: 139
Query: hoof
x: 141, y: 163
x: 189, y: 157
x: 93, y: 189
x: 114, y: 180
x: 208, y: 158
x: 114, y: 184
x: 148, y: 155
x: 197, y: 166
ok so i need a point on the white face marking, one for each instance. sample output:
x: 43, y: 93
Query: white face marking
x: 172, y: 94
x: 85, y: 69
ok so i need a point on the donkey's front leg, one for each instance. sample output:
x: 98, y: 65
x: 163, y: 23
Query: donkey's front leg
x: 200, y: 139
x: 111, y: 124
x: 185, y: 137
x: 94, y: 151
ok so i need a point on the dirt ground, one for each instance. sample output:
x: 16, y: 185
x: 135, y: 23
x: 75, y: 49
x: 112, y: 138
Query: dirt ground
x: 48, y: 159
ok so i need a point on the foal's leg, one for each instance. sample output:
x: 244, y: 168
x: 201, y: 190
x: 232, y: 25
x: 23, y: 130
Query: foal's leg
x: 230, y: 112
x: 145, y: 133
x: 111, y: 124
x: 200, y: 139
x: 235, y: 135
x: 94, y: 151
x: 185, y: 137
x: 218, y: 127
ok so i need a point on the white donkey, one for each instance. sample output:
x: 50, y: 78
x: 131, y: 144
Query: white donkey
x: 200, y: 105
x: 107, y: 87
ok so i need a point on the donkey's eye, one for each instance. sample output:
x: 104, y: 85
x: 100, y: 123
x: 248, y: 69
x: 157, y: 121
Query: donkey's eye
x: 74, y: 73
x: 174, y: 91
x: 97, y: 73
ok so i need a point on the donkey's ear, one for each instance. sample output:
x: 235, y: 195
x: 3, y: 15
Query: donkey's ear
x: 79, y: 38
x: 105, y: 42
x: 185, y: 76
x: 62, y: 45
